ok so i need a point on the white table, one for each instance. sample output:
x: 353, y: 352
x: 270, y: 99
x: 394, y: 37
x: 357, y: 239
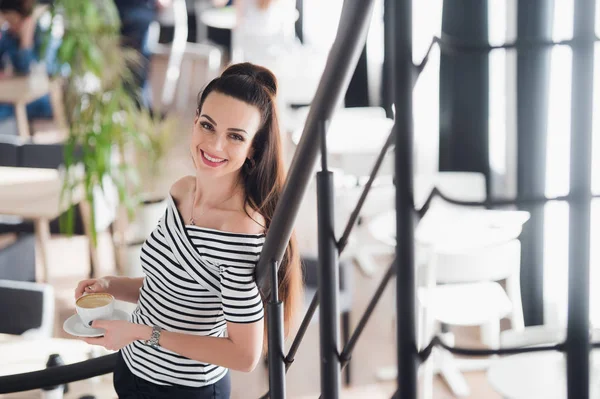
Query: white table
x: 224, y: 17
x: 453, y: 231
x: 219, y: 18
x: 349, y: 128
x: 35, y: 194
x: 536, y: 375
x: 347, y: 144
x: 21, y: 355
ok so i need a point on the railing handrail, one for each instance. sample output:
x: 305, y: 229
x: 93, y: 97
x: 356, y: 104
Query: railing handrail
x: 59, y: 375
x: 341, y: 62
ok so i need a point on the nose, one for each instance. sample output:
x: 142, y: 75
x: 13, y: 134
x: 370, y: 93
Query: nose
x: 218, y: 142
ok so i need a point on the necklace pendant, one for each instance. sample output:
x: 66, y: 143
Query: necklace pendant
x: 192, y: 222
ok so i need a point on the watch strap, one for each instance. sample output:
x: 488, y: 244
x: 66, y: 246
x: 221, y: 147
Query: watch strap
x: 154, y: 337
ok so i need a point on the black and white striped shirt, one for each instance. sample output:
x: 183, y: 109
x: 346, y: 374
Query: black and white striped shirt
x: 196, y: 280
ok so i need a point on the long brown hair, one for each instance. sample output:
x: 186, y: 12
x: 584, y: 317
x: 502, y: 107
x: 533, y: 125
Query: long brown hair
x: 264, y: 175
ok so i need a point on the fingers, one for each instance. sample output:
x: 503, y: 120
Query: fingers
x: 101, y: 324
x: 86, y: 286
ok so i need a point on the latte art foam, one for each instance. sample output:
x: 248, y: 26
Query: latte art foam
x: 94, y: 301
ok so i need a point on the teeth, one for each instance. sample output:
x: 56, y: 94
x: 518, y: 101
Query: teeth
x: 211, y: 158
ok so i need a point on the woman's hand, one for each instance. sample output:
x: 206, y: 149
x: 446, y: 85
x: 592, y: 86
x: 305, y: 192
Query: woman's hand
x: 118, y: 333
x: 93, y: 285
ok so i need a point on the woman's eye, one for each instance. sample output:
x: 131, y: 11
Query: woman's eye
x: 237, y: 137
x: 206, y: 125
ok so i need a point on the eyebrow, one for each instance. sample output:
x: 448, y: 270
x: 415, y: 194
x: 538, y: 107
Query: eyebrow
x: 232, y: 129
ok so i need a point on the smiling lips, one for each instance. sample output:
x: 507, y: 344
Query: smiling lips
x: 212, y: 161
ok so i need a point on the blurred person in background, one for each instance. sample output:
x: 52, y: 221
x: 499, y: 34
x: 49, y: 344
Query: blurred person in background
x: 21, y: 51
x: 265, y: 29
x: 136, y: 17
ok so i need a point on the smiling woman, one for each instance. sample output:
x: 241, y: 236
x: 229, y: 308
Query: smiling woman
x: 199, y: 310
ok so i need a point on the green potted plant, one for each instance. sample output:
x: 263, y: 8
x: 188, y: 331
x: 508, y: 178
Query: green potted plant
x: 107, y: 128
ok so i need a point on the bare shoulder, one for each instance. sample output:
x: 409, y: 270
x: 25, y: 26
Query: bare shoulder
x: 181, y: 187
x: 251, y: 222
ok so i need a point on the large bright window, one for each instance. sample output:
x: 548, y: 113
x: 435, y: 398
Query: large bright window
x: 556, y: 228
x: 497, y: 87
x: 556, y: 214
x: 427, y: 23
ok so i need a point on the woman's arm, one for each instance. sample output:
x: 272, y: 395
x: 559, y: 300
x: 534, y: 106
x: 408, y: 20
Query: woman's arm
x: 240, y: 350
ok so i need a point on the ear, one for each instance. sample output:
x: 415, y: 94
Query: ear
x: 250, y: 153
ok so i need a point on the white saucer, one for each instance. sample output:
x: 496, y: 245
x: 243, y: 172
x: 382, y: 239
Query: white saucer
x: 74, y: 326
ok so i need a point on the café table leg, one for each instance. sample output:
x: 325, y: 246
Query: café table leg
x: 22, y: 122
x: 86, y: 210
x: 58, y: 108
x: 42, y: 237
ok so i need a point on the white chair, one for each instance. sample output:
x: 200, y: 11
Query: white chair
x: 182, y: 56
x: 460, y: 253
x: 27, y: 309
x: 459, y: 286
x: 465, y: 293
x: 460, y: 277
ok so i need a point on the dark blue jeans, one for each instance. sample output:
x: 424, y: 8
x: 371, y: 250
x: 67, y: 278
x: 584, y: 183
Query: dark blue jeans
x: 129, y: 386
x: 38, y: 109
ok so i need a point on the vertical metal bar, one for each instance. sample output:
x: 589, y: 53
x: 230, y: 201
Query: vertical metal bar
x: 534, y: 22
x: 323, y: 140
x: 464, y: 91
x: 408, y: 360
x: 329, y: 325
x: 275, y: 340
x: 387, y: 91
x: 299, y: 26
x: 578, y: 341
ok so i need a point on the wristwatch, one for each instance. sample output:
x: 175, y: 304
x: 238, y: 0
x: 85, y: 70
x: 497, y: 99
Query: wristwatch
x: 154, y: 337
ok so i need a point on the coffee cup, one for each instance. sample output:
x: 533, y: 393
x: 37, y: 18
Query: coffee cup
x: 92, y: 307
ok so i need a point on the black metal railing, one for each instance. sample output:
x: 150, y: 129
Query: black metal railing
x: 342, y: 60
x: 59, y: 375
x: 408, y: 356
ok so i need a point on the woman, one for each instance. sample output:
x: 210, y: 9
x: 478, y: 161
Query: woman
x: 199, y: 295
